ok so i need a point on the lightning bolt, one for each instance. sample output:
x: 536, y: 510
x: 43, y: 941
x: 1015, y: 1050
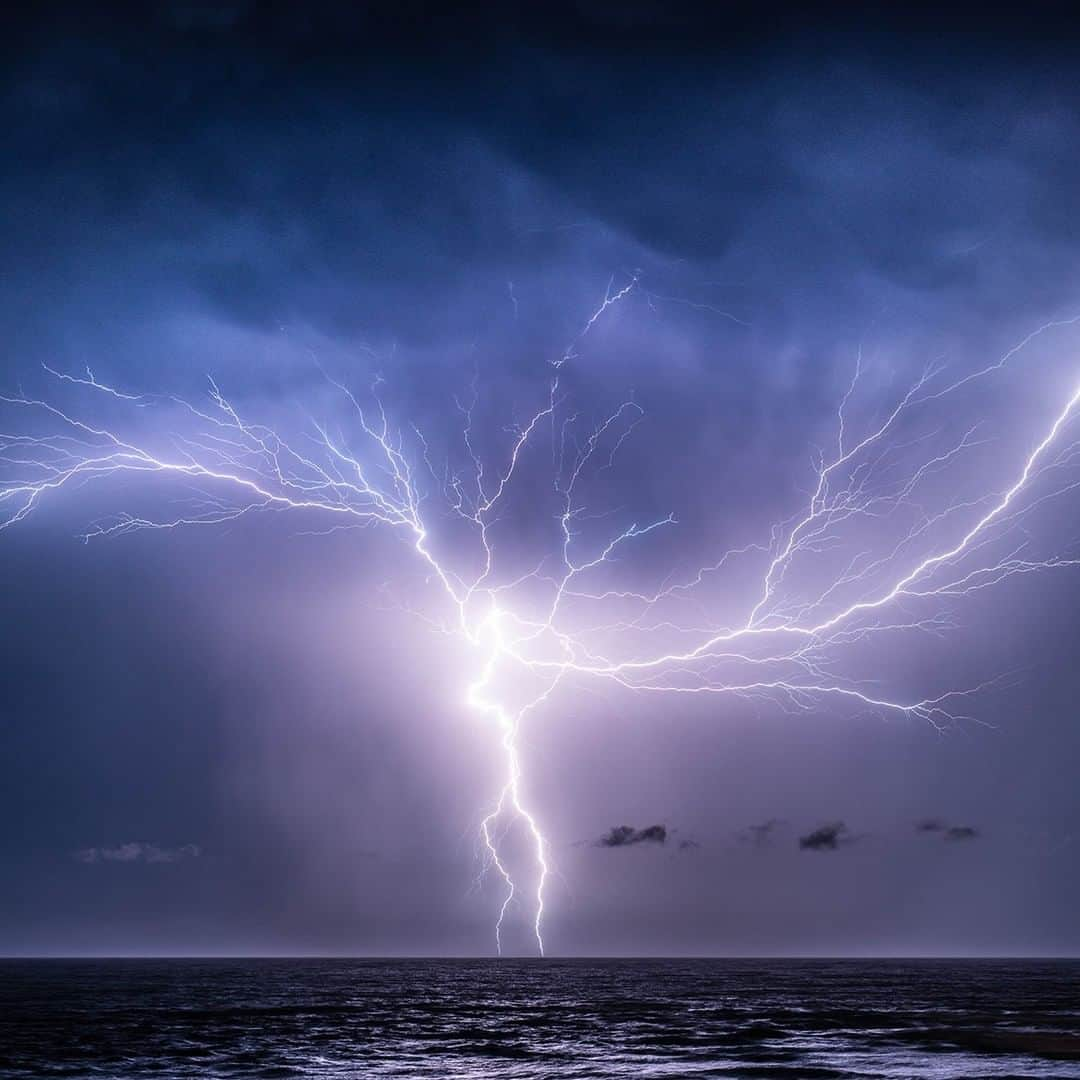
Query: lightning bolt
x: 821, y: 592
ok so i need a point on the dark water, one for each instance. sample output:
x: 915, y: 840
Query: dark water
x: 565, y: 1019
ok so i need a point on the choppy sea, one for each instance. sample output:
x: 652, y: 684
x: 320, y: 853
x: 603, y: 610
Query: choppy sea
x: 545, y: 1018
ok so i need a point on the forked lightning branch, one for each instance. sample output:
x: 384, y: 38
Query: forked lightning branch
x: 829, y: 578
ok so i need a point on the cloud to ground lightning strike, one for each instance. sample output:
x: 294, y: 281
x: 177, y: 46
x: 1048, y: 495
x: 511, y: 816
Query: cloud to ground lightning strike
x: 874, y: 550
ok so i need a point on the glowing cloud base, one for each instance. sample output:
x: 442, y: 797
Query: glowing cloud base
x: 862, y: 558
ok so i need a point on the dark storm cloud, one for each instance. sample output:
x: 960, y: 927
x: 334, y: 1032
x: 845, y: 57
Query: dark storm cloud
x: 137, y: 851
x: 336, y: 168
x: 827, y: 837
x: 187, y: 182
x: 627, y: 836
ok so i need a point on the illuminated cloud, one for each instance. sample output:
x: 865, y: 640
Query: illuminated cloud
x: 792, y: 226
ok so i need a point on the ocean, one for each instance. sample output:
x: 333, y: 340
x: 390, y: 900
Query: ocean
x: 561, y: 1019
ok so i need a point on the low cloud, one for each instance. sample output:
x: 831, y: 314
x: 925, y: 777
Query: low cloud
x: 961, y: 832
x: 627, y: 836
x: 136, y: 851
x: 949, y: 832
x: 827, y: 837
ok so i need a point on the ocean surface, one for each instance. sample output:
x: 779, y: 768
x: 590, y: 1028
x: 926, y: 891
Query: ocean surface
x: 565, y: 1019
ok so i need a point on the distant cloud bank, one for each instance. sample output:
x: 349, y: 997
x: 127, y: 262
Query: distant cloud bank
x: 137, y: 851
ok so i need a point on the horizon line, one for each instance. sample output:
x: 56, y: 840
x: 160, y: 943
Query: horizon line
x: 397, y: 957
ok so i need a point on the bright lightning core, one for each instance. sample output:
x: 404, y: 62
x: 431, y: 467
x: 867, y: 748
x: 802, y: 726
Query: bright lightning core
x: 878, y: 547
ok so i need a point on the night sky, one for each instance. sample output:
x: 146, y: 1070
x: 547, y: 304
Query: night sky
x: 246, y: 738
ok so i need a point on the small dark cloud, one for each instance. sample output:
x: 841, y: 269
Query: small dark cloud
x: 827, y: 837
x: 949, y: 832
x: 627, y: 835
x: 961, y: 832
x: 688, y: 845
x: 137, y: 851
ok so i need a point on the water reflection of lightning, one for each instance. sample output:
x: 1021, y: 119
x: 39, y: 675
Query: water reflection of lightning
x: 823, y: 591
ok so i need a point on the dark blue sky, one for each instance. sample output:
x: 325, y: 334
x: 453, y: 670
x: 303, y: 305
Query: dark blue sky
x: 263, y: 194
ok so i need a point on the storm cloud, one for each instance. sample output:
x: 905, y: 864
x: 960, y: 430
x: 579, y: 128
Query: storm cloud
x: 255, y: 192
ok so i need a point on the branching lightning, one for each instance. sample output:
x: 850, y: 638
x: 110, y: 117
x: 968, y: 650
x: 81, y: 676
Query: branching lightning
x: 824, y: 589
